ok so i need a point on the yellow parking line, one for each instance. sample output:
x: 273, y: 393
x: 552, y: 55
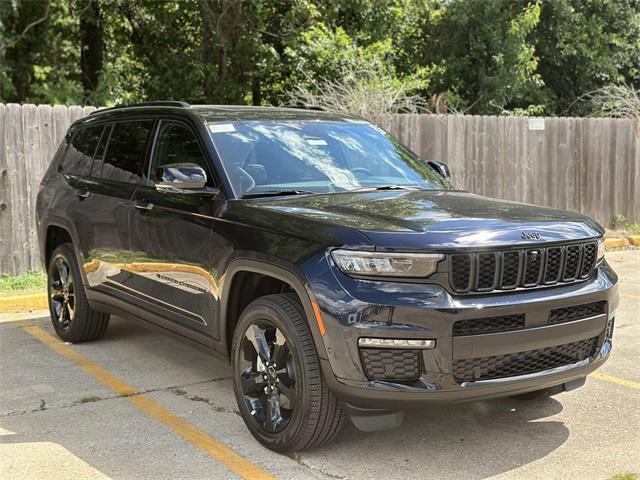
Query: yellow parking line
x: 220, y: 452
x: 616, y: 380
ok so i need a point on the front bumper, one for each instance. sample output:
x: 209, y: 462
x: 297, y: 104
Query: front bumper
x: 353, y: 308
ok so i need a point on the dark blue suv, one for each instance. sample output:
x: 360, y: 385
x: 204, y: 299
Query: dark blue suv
x: 341, y: 274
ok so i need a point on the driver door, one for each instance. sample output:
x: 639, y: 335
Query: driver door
x: 170, y: 241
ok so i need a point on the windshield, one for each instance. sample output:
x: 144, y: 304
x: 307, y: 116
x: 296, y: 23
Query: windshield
x: 317, y: 157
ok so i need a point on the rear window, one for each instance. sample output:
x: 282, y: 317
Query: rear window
x: 81, y: 150
x: 125, y: 154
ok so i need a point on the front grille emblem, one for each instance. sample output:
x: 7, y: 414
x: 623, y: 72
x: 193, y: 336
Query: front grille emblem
x: 531, y: 235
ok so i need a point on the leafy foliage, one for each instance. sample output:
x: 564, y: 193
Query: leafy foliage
x: 518, y: 57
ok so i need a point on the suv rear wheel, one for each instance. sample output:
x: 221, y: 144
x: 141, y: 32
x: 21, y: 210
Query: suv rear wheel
x: 280, y: 390
x: 72, y: 318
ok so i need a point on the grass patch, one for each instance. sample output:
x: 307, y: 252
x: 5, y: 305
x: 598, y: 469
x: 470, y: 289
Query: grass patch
x: 25, y: 283
x: 624, y: 476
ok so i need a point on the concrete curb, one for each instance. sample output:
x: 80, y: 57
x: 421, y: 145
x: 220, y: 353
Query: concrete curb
x: 611, y: 243
x: 634, y: 240
x: 23, y: 303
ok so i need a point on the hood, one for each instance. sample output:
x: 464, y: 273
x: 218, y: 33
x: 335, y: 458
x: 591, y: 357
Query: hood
x: 440, y: 219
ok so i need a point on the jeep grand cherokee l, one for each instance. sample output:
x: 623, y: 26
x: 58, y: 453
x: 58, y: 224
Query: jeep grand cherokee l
x: 340, y: 274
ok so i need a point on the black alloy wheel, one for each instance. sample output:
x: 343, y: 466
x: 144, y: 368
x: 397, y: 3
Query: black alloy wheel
x: 281, y: 392
x: 62, y: 293
x: 72, y: 317
x: 268, y: 376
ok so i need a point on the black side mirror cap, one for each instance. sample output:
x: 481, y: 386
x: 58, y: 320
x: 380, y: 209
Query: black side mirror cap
x: 441, y: 168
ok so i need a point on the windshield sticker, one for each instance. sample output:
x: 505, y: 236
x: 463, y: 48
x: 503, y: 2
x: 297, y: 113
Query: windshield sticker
x: 221, y: 127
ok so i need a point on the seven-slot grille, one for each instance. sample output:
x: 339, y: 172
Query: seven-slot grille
x: 525, y: 268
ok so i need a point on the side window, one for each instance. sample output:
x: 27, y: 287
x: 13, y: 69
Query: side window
x: 96, y: 167
x: 124, y: 157
x: 81, y: 149
x: 176, y: 143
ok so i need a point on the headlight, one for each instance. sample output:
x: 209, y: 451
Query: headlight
x: 382, y: 264
x: 600, y: 251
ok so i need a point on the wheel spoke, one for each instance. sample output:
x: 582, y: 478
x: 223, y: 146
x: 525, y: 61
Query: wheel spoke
x: 63, y: 271
x: 289, y: 402
x: 61, y: 314
x: 252, y: 382
x: 70, y: 311
x: 256, y: 336
x: 256, y: 409
x: 274, y: 416
x: 280, y: 352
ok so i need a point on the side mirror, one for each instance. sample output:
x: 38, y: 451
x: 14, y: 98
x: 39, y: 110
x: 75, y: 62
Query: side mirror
x: 185, y: 178
x: 440, y: 167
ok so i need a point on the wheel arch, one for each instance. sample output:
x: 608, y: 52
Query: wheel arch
x: 234, y: 275
x: 55, y: 232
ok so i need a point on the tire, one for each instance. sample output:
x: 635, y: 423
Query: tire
x: 73, y: 319
x: 310, y: 413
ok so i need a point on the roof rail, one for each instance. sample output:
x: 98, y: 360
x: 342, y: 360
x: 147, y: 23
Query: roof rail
x: 308, y: 107
x: 158, y: 103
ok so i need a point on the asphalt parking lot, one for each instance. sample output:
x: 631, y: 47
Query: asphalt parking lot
x: 139, y: 405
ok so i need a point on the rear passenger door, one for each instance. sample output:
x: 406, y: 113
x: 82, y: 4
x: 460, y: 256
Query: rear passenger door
x: 104, y: 206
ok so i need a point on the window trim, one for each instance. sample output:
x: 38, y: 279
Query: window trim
x: 210, y: 170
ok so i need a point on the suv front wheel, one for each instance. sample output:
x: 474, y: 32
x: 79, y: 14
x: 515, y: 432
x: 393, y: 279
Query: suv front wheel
x: 280, y: 390
x: 72, y: 318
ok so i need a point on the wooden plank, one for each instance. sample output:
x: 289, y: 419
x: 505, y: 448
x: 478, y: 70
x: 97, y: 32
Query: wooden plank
x: 61, y: 123
x: 31, y: 179
x: 5, y: 213
x: 17, y: 179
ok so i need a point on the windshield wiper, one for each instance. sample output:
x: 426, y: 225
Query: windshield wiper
x: 387, y: 187
x: 276, y: 193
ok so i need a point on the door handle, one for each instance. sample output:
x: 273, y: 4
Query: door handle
x: 83, y: 193
x: 143, y: 205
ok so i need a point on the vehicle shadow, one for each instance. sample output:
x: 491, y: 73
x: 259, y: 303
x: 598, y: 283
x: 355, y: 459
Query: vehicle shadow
x: 471, y: 441
x: 474, y: 440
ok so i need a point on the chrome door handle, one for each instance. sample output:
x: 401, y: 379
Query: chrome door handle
x: 83, y: 193
x: 143, y: 206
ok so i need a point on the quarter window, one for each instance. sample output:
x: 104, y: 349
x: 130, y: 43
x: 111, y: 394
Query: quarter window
x: 176, y: 143
x: 124, y: 158
x: 81, y: 150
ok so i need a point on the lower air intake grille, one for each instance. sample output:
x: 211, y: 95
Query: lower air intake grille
x: 481, y: 326
x: 577, y: 312
x: 522, y: 363
x: 391, y: 364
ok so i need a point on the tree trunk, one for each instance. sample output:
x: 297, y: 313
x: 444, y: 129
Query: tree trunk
x: 256, y: 91
x: 91, y: 46
x: 208, y: 51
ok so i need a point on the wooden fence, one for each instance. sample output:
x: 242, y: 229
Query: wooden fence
x: 29, y: 136
x: 584, y: 164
